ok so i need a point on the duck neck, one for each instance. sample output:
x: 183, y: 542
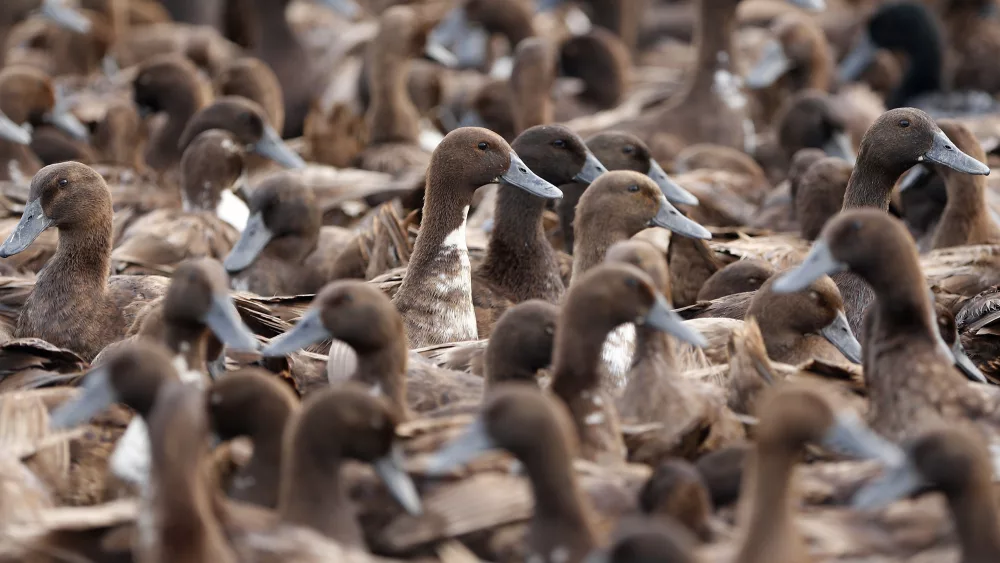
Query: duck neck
x: 312, y: 493
x: 770, y: 532
x: 392, y: 117
x: 591, y: 245
x: 871, y: 182
x: 652, y: 345
x: 559, y: 504
x: 966, y: 218
x: 577, y: 354
x: 83, y: 258
x: 163, y: 151
x: 189, y: 343
x: 520, y: 260
x: 976, y: 521
x: 385, y: 369
x: 714, y: 37
x: 903, y: 305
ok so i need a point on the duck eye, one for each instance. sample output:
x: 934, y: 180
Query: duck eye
x: 483, y: 146
x: 632, y: 282
x: 550, y: 330
x: 633, y: 188
x: 559, y: 143
x: 63, y: 182
x: 904, y: 123
x: 628, y: 149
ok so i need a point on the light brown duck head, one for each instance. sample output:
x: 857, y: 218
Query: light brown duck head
x: 810, y: 119
x: 284, y: 223
x: 820, y: 194
x: 617, y: 206
x: 602, y: 62
x: 333, y: 425
x: 625, y: 151
x: 738, y: 277
x: 168, y: 84
x: 361, y: 316
x: 538, y: 431
x: 251, y: 78
x: 798, y: 55
x: 521, y: 343
x: 255, y: 404
x: 803, y: 325
x: 249, y: 125
x: 212, y: 164
x: 955, y: 463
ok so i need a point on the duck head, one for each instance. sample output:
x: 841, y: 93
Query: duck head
x: 799, y: 50
x: 345, y: 423
x: 902, y: 26
x: 964, y: 140
x: 68, y: 195
x: 677, y: 491
x: 211, y: 164
x: 739, y: 277
x: 558, y: 155
x: 353, y: 312
x: 602, y: 62
x: 283, y: 213
x: 627, y: 202
x: 467, y: 28
x: 168, y: 83
x: 132, y: 374
x: 251, y: 78
x: 619, y: 150
x: 810, y: 119
x: 474, y: 157
x: 819, y: 194
x: 119, y: 137
x: 199, y: 296
x: 28, y: 99
x: 521, y: 342
x: 249, y: 125
x: 818, y: 309
x: 405, y: 32
x: 248, y: 402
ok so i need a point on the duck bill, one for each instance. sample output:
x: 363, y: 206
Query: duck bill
x: 549, y: 5
x: 474, y: 441
x: 271, y: 146
x: 346, y: 8
x: 964, y: 364
x: 858, y: 60
x: 69, y: 124
x: 451, y: 29
x: 309, y: 330
x: 519, y: 175
x: 773, y: 64
x: 839, y: 334
x: 33, y: 222
x: 96, y: 395
x: 895, y: 483
x: 591, y: 171
x: 663, y: 318
x: 810, y: 5
x: 440, y: 54
x: 839, y: 146
x: 848, y: 435
x: 673, y: 220
x: 914, y: 177
x: 819, y: 262
x: 390, y: 470
x: 671, y: 189
x: 473, y: 118
x: 945, y: 153
x: 10, y: 131
x: 225, y: 322
x: 64, y: 16
x: 252, y: 242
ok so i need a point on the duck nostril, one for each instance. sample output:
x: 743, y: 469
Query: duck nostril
x: 522, y: 169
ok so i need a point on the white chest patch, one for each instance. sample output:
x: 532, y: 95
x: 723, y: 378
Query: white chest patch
x: 616, y: 355
x: 233, y: 210
x: 240, y: 283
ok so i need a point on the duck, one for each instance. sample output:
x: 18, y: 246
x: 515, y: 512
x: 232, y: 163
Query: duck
x: 284, y: 248
x: 437, y: 284
x: 676, y: 495
x: 739, y: 277
x: 693, y: 416
x: 521, y: 343
x: 601, y: 61
x: 253, y: 79
x: 158, y: 241
x: 898, y: 26
x: 28, y: 100
x: 648, y: 541
x: 65, y: 16
x: 820, y: 194
x: 953, y: 462
x: 538, y: 430
x: 777, y: 210
x: 74, y: 304
x: 622, y: 19
x: 899, y: 139
x: 253, y: 403
x: 902, y: 336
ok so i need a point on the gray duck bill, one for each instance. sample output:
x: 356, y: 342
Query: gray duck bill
x: 225, y: 322
x: 819, y: 262
x: 945, y: 153
x: 671, y: 189
x: 914, y: 176
x: 68, y: 123
x: 96, y: 395
x: 772, y: 65
x: 964, y: 364
x: 33, y: 223
x: 10, y: 131
x: 839, y: 146
x: 64, y: 16
x: 662, y: 317
x: 271, y: 146
x: 308, y: 330
x: 519, y: 175
x: 849, y: 435
x: 474, y: 441
x: 838, y: 333
x: 346, y: 8
x: 810, y: 5
x: 895, y: 483
x: 673, y: 220
x: 858, y: 60
x: 591, y: 171
x: 390, y: 470
x: 252, y: 242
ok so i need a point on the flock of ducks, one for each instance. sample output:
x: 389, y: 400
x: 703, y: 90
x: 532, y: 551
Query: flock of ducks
x: 499, y: 280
